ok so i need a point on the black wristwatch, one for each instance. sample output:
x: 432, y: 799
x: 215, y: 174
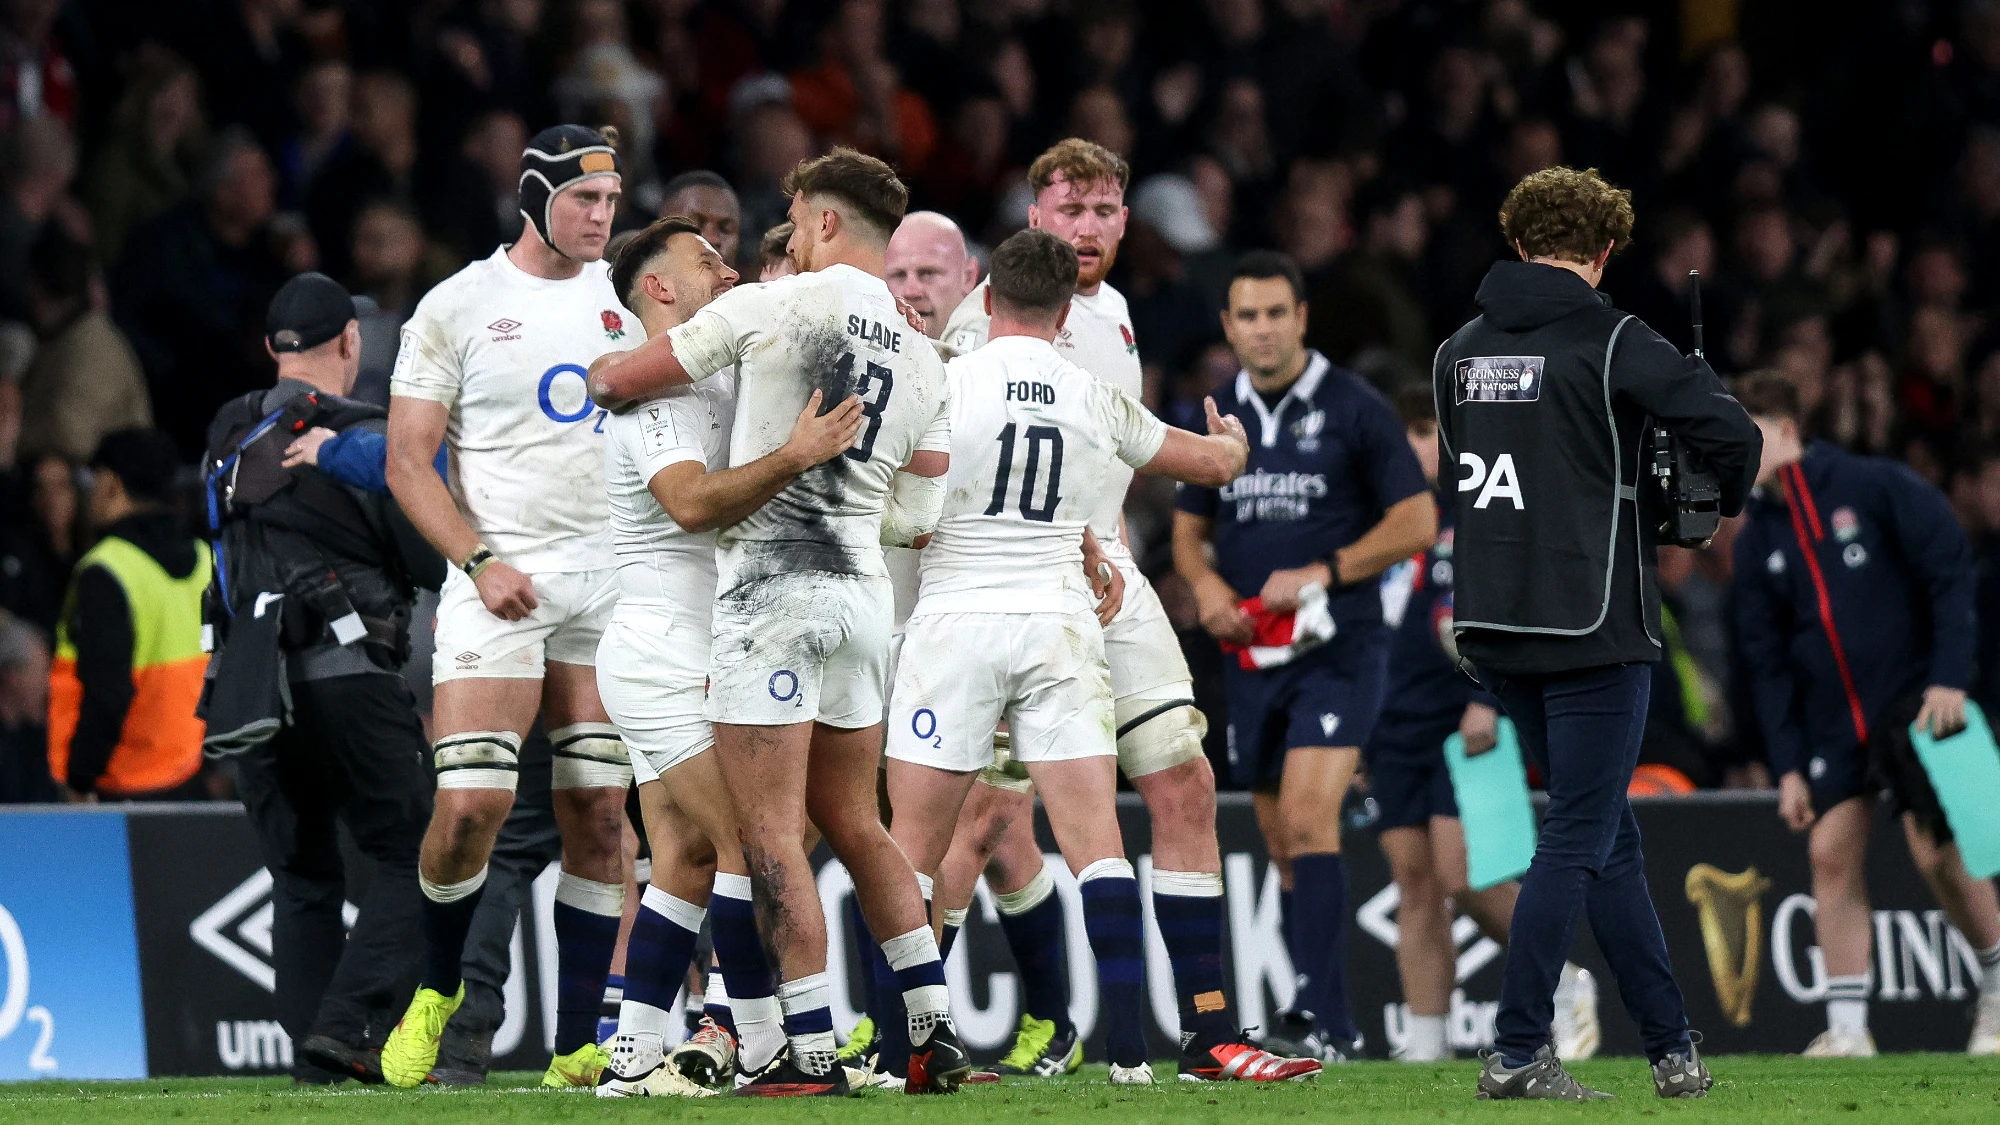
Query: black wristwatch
x: 480, y: 558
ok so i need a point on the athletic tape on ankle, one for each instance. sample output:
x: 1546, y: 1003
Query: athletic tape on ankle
x: 732, y: 886
x: 715, y: 994
x: 1107, y: 869
x: 956, y: 917
x: 804, y: 994
x: 478, y: 759
x: 451, y: 892
x: 1038, y: 890
x: 927, y: 885
x: 914, y: 948
x: 680, y: 912
x: 589, y: 756
x: 642, y: 870
x: 591, y: 896
x: 1187, y: 884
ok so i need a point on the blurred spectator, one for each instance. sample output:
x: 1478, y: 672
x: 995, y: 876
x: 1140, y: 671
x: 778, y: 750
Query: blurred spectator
x: 774, y: 259
x: 40, y: 162
x: 325, y: 104
x: 485, y: 58
x: 1366, y: 313
x: 248, y: 52
x: 41, y: 544
x: 35, y: 75
x: 148, y: 162
x: 606, y: 84
x: 393, y: 266
x: 773, y: 138
x: 1174, y: 206
x: 854, y: 96
x: 707, y: 198
x: 472, y: 204
x: 24, y: 715
x: 191, y: 287
x: 128, y: 662
x: 85, y: 380
x: 380, y: 163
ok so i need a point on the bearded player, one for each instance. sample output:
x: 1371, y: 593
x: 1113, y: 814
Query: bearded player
x: 492, y: 366
x: 1080, y: 197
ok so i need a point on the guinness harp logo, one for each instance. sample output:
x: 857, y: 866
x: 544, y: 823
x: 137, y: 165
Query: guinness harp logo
x: 1732, y: 933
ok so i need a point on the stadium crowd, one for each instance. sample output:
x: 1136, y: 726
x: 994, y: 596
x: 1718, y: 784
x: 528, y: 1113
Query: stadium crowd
x: 167, y: 167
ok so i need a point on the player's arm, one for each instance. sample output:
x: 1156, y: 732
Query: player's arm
x: 416, y: 429
x: 1216, y: 601
x: 703, y: 501
x: 916, y: 500
x: 1212, y: 460
x: 617, y: 380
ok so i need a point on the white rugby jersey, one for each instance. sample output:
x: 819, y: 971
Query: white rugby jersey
x: 1034, y: 438
x: 834, y: 330
x: 1098, y: 338
x: 657, y: 559
x: 506, y: 351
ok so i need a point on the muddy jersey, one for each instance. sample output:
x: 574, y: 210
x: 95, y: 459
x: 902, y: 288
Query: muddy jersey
x: 506, y: 352
x: 838, y: 331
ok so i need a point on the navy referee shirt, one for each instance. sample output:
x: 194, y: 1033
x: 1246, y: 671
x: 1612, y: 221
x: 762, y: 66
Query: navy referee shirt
x: 1326, y: 460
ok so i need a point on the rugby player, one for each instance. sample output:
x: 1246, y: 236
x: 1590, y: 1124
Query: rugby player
x: 804, y: 608
x: 492, y: 366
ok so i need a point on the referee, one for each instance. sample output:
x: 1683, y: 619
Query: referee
x: 1543, y: 401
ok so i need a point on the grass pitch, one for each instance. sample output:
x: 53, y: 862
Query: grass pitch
x: 1756, y: 1089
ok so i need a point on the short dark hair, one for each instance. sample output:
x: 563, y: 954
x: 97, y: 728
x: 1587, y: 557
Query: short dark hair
x: 144, y: 460
x: 700, y: 177
x: 1770, y: 394
x: 771, y: 248
x: 1567, y: 214
x: 1416, y: 405
x: 1260, y: 265
x: 1034, y: 271
x: 643, y: 247
x: 866, y: 184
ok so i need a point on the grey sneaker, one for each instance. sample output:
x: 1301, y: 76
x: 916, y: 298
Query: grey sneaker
x: 1542, y: 1079
x: 1683, y: 1076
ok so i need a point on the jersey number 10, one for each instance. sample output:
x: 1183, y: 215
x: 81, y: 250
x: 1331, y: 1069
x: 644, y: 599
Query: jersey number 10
x: 872, y: 373
x: 1039, y: 437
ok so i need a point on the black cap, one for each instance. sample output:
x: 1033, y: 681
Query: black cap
x: 311, y: 309
x: 143, y: 459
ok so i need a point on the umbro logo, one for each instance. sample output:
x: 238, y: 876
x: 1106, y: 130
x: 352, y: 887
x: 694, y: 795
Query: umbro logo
x: 467, y: 657
x: 505, y: 326
x: 237, y: 929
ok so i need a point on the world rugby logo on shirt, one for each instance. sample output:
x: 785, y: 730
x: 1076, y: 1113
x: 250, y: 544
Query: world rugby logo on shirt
x: 1307, y: 430
x: 1500, y: 378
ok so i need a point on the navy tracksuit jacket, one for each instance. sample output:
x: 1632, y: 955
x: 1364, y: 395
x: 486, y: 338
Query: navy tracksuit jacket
x: 1854, y: 588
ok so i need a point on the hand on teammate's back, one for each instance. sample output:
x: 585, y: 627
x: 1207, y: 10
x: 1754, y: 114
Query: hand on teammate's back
x: 818, y: 438
x: 1107, y: 582
x: 507, y: 593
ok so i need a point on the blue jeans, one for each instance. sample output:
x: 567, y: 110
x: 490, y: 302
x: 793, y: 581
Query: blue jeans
x: 1581, y: 729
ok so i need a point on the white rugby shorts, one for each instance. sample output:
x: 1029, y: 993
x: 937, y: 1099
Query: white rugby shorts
x: 1140, y: 644
x: 801, y: 648
x: 565, y: 627
x: 652, y: 674
x: 961, y: 674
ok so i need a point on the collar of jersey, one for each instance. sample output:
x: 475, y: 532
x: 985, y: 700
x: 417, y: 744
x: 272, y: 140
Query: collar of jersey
x: 1268, y: 418
x: 519, y: 276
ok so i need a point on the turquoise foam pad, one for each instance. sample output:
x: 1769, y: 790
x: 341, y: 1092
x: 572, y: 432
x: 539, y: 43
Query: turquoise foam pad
x: 1493, y: 806
x: 1965, y: 770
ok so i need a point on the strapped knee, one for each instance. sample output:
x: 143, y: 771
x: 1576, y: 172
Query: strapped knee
x: 1159, y: 729
x: 1005, y: 773
x: 478, y: 759
x: 589, y: 756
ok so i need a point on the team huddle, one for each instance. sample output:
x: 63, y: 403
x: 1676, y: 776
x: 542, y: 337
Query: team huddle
x: 721, y: 538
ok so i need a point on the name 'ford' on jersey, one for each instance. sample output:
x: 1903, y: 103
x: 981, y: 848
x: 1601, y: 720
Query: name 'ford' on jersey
x: 837, y: 331
x: 506, y: 352
x: 1326, y: 460
x: 1033, y: 438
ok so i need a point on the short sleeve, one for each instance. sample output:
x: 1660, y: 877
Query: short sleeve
x: 1388, y: 462
x: 1197, y: 501
x: 1135, y: 433
x: 716, y: 337
x: 670, y: 431
x: 966, y: 331
x: 427, y: 364
x: 937, y: 436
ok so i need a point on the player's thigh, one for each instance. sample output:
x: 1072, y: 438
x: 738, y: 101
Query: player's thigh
x: 926, y: 801
x: 771, y: 641
x: 840, y: 783
x: 696, y: 787
x: 586, y: 600
x: 1448, y: 854
x: 1081, y: 796
x: 854, y: 675
x: 475, y: 644
x: 1838, y: 842
x: 652, y: 672
x: 684, y: 854
x: 1408, y: 850
x: 1140, y: 645
x: 950, y: 692
x: 765, y: 769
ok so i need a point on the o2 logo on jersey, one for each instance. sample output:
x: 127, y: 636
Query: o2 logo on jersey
x: 545, y: 394
x: 784, y: 687
x: 924, y: 725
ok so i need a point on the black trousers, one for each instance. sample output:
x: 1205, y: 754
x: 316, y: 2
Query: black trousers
x: 355, y: 754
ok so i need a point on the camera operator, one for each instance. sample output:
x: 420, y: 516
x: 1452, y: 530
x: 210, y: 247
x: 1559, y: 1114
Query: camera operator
x: 1543, y: 401
x: 311, y: 609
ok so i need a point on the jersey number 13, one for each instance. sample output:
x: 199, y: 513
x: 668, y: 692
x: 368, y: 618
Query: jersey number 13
x: 871, y: 375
